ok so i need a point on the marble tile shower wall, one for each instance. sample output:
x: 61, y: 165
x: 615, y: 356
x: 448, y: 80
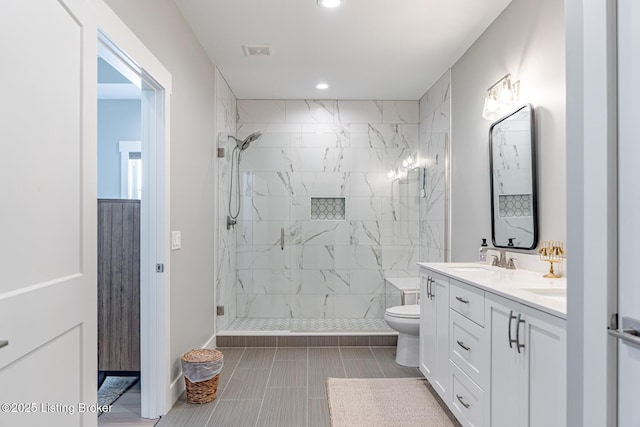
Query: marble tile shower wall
x: 226, y: 273
x: 331, y: 268
x: 435, y: 123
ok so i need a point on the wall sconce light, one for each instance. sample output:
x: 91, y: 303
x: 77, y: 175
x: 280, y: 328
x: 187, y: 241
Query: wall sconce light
x: 409, y: 163
x: 501, y: 97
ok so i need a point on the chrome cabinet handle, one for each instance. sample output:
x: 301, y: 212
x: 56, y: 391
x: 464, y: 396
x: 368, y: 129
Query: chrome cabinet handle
x: 462, y: 300
x: 429, y: 287
x: 518, y: 345
x: 282, y: 238
x: 431, y: 291
x: 461, y: 344
x: 466, y: 405
x: 511, y: 317
x: 4, y: 343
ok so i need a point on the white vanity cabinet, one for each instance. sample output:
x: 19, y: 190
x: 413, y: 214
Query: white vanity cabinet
x: 434, y: 330
x: 494, y: 352
x: 527, y: 372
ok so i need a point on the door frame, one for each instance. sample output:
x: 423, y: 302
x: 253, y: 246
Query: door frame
x: 591, y: 100
x: 155, y: 211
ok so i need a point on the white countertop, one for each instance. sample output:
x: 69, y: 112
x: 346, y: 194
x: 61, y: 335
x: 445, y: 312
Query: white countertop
x: 512, y: 284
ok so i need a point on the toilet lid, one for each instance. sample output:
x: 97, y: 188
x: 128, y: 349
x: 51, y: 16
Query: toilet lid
x: 405, y: 311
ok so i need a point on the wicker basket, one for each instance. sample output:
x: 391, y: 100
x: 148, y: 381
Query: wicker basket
x: 202, y: 391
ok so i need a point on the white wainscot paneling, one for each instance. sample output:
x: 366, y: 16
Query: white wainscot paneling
x: 400, y: 111
x: 310, y: 111
x: 360, y: 111
x: 261, y: 111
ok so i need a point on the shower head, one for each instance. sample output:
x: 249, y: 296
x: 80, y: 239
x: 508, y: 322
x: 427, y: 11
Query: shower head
x: 244, y: 144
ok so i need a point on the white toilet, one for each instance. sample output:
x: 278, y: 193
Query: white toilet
x: 406, y: 320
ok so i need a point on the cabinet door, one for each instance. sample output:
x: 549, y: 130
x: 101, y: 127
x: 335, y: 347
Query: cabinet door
x: 427, y: 329
x: 506, y: 365
x: 440, y: 288
x: 544, y: 379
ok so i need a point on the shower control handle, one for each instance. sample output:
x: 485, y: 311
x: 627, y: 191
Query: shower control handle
x: 282, y: 238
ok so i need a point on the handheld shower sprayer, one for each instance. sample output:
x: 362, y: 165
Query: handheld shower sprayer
x: 241, y: 145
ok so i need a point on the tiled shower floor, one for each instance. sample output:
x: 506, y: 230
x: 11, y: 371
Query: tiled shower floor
x: 246, y: 325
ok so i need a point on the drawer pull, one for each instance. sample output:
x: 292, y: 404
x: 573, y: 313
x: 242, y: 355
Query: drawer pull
x: 518, y: 345
x: 462, y: 300
x: 461, y: 344
x: 511, y: 317
x: 466, y: 405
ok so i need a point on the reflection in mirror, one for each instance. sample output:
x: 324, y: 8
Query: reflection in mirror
x: 513, y: 181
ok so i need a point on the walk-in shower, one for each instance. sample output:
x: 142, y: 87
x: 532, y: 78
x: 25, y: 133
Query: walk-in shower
x: 321, y: 224
x: 236, y: 155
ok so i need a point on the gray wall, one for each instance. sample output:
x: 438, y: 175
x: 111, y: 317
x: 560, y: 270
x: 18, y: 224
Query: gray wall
x: 526, y: 40
x: 118, y: 120
x: 160, y: 26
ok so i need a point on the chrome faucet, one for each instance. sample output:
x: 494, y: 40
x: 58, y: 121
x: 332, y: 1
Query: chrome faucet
x: 502, y: 261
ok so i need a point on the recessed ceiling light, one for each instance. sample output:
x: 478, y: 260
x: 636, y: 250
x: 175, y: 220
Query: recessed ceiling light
x: 329, y: 3
x: 322, y: 86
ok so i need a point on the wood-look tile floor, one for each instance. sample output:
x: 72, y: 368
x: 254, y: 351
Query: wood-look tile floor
x: 125, y: 411
x: 280, y: 387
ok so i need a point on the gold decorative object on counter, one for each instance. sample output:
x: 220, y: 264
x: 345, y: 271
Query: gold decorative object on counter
x: 551, y: 251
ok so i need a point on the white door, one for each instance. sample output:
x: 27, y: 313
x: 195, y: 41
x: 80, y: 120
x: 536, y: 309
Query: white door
x: 427, y: 329
x: 506, y: 363
x: 629, y: 210
x: 440, y: 288
x: 544, y: 403
x: 48, y: 213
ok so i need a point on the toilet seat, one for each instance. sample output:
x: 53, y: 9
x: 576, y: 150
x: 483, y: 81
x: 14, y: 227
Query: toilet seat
x: 404, y: 311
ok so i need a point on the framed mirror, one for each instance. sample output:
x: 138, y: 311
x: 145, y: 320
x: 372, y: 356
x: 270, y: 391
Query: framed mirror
x: 512, y: 158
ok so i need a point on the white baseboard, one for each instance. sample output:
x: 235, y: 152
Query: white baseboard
x: 177, y: 384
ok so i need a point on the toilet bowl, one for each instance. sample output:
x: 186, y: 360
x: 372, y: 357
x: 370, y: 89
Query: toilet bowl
x: 406, y: 320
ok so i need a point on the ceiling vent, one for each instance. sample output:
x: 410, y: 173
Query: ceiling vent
x: 257, y: 50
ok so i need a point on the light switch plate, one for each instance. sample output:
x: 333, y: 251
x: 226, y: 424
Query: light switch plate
x: 176, y: 240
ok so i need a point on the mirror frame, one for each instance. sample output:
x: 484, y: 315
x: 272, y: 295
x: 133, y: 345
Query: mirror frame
x: 534, y: 179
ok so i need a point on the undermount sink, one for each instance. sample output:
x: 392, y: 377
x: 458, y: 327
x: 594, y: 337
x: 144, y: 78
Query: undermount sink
x: 553, y: 293
x: 469, y: 269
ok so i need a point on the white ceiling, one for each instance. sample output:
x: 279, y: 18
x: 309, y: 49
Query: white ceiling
x: 365, y: 49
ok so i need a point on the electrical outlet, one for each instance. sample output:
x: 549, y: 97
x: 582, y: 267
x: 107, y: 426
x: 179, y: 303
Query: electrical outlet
x: 176, y: 240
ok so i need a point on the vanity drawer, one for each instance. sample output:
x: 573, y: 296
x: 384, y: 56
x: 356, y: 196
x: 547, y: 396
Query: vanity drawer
x: 466, y: 399
x: 468, y: 348
x: 467, y: 300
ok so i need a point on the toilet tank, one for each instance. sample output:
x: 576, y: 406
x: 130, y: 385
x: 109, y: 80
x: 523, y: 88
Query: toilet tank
x: 401, y: 291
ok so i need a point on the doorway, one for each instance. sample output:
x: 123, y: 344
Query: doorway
x: 133, y: 187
